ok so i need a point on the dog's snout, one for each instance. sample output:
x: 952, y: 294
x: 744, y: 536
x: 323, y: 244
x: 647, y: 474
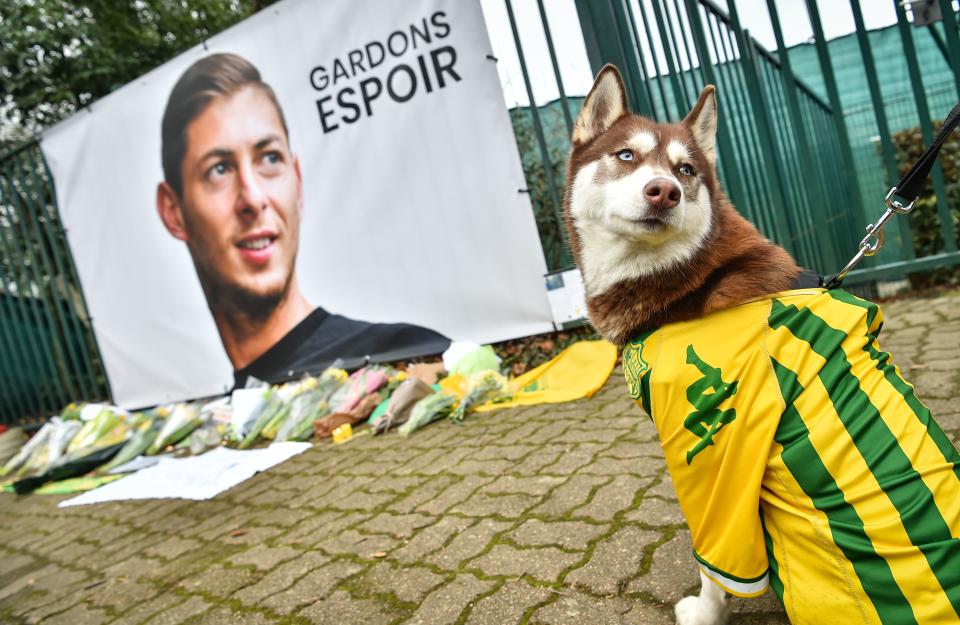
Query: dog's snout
x: 662, y: 194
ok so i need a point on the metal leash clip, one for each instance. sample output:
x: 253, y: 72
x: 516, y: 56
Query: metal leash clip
x: 874, y: 240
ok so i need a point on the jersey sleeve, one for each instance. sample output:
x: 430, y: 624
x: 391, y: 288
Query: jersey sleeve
x: 717, y: 415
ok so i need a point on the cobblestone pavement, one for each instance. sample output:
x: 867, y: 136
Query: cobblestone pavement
x: 543, y: 515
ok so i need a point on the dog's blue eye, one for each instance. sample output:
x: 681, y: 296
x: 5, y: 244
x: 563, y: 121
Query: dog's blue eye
x: 686, y: 170
x: 625, y: 155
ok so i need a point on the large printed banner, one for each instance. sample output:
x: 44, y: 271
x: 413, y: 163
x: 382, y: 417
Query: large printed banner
x: 225, y: 223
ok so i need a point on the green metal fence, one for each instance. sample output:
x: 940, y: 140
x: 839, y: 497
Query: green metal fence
x: 786, y: 159
x: 48, y: 354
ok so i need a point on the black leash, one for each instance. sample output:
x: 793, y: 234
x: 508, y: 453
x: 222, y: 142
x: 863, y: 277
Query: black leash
x: 907, y: 189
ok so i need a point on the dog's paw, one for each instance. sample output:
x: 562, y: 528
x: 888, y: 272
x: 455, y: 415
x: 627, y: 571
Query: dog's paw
x: 689, y: 611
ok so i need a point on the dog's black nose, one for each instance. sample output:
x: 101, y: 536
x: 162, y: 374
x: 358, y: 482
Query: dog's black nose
x: 662, y: 194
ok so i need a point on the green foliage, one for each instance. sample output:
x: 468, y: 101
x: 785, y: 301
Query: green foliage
x: 545, y: 210
x: 909, y: 147
x: 57, y: 56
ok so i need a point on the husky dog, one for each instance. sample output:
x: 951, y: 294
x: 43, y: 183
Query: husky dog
x: 800, y: 458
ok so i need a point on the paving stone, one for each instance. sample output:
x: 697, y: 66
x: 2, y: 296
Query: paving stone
x: 614, y: 562
x: 575, y: 608
x: 444, y: 605
x: 352, y: 542
x: 453, y: 494
x: 568, y: 534
x: 281, y: 577
x: 312, y: 587
x: 542, y: 563
x: 119, y: 594
x: 142, y: 611
x: 673, y: 572
x: 189, y: 607
x: 407, y: 583
x: 569, y: 495
x: 264, y: 558
x: 577, y: 457
x: 319, y: 526
x: 538, y: 485
x: 613, y: 498
x: 78, y: 615
x: 426, y: 492
x: 656, y: 512
x: 226, y: 616
x: 220, y: 581
x: 172, y: 548
x: 535, y: 462
x: 430, y: 539
x: 467, y: 543
x: 507, y: 506
x: 508, y: 604
x: 342, y: 609
x: 400, y: 526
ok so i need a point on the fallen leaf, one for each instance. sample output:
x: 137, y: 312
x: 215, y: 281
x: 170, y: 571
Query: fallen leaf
x: 236, y: 533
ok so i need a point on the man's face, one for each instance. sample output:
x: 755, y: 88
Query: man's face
x: 241, y: 201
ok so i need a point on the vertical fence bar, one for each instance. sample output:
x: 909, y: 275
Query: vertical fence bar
x: 926, y: 128
x: 556, y: 68
x: 11, y: 352
x: 730, y: 168
x: 633, y: 72
x: 19, y: 400
x: 64, y: 357
x: 687, y: 52
x: 953, y: 40
x: 71, y: 330
x: 679, y: 93
x: 600, y: 23
x: 26, y: 306
x: 765, y: 134
x: 764, y: 219
x: 828, y: 253
x: 833, y: 96
x: 652, y: 113
x: 748, y: 201
x: 656, y: 63
x: 541, y: 139
x: 880, y: 113
x: 41, y: 314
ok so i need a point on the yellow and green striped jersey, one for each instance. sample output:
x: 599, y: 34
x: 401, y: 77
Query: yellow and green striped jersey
x: 803, y: 460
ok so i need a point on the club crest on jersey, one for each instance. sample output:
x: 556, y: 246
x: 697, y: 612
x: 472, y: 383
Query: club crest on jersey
x: 707, y: 420
x: 634, y: 367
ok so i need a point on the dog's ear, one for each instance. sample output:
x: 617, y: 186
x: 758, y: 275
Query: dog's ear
x: 605, y: 104
x: 702, y: 122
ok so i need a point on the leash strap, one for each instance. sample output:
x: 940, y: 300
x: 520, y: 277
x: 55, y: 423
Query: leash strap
x: 908, y: 188
x: 911, y: 185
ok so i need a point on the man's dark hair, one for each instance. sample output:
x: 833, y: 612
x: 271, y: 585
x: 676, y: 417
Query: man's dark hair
x: 210, y: 77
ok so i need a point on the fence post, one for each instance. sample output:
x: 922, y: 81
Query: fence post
x: 879, y: 111
x: 833, y: 96
x: 541, y: 140
x: 828, y: 249
x: 724, y: 140
x: 781, y: 224
x: 607, y: 39
x: 926, y: 128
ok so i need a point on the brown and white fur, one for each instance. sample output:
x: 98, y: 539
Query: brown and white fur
x: 644, y: 261
x: 656, y: 239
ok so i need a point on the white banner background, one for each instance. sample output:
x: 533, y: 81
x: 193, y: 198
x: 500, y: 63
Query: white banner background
x: 412, y: 214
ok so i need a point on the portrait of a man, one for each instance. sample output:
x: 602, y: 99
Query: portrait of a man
x: 232, y: 191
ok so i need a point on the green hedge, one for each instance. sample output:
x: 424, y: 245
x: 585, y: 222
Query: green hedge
x: 924, y: 221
